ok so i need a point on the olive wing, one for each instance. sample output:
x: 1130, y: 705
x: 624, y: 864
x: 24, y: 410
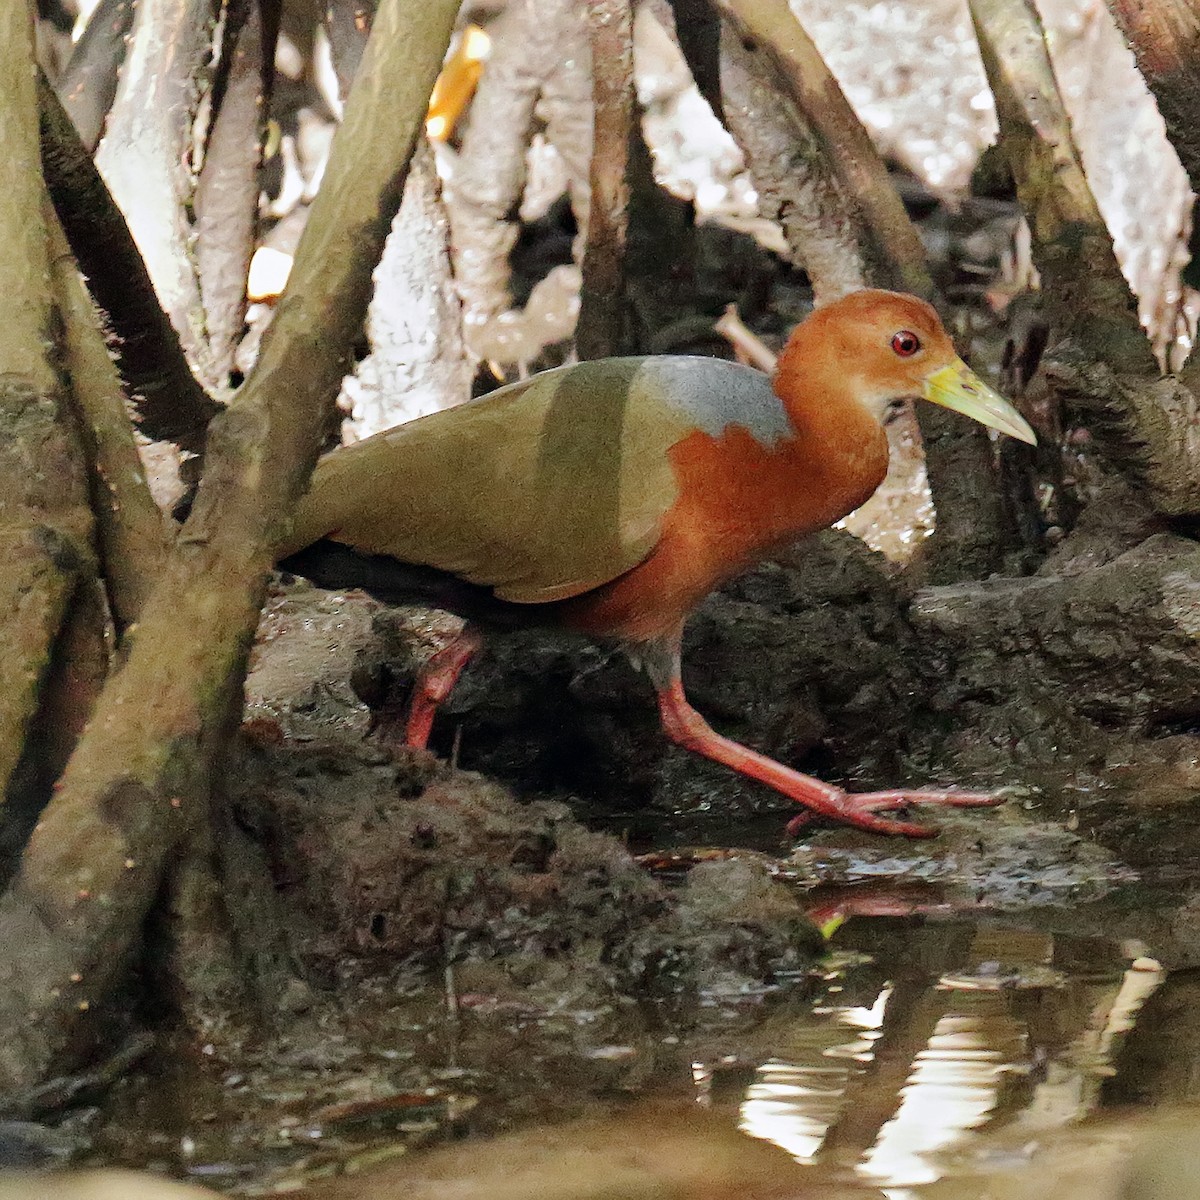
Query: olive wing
x: 541, y: 490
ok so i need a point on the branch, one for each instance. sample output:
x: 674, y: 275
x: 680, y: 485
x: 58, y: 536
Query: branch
x: 89, y: 81
x: 138, y: 783
x: 172, y: 406
x: 145, y: 154
x: 601, y: 328
x: 697, y: 29
x: 894, y: 251
x: 792, y: 174
x: 490, y: 173
x: 44, y: 523
x: 347, y: 25
x: 1086, y: 294
x: 1106, y: 370
x: 131, y: 533
x: 1165, y: 39
x: 1149, y: 428
x: 24, y: 265
x: 418, y: 363
x: 532, y: 38
x: 227, y: 195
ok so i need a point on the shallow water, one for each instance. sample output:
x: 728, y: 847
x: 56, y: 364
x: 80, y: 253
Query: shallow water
x: 947, y: 1040
x: 946, y: 1034
x: 984, y: 1001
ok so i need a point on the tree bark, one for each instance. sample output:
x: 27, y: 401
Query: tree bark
x: 45, y: 525
x: 531, y: 42
x: 1165, y: 39
x: 1104, y: 369
x: 171, y: 405
x: 131, y: 532
x: 891, y: 246
x: 971, y: 534
x: 602, y: 328
x: 418, y: 361
x: 145, y: 156
x: 227, y: 195
x: 792, y: 174
x: 138, y: 784
x: 89, y: 81
x: 1086, y: 295
x: 347, y: 25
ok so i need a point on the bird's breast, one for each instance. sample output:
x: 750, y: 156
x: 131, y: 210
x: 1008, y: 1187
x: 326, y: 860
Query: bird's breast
x: 738, y: 500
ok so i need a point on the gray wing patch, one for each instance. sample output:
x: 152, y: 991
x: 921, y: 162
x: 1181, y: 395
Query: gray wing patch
x: 713, y: 394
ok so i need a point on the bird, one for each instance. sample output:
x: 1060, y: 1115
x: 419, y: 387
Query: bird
x: 609, y: 497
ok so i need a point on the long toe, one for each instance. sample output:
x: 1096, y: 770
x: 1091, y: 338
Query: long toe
x: 860, y: 810
x: 951, y: 798
x: 859, y: 818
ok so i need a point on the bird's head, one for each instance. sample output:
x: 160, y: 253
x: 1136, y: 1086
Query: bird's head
x: 884, y: 349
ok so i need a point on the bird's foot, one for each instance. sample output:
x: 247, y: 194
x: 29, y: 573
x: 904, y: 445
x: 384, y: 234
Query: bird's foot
x: 687, y: 728
x: 860, y: 809
x: 435, y: 682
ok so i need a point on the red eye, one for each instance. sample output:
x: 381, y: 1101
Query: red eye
x: 906, y: 343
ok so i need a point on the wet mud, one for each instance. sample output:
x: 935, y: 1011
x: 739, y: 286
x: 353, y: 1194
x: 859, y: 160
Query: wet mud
x: 571, y: 919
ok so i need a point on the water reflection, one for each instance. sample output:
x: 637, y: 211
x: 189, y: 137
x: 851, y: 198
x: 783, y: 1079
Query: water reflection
x: 941, y: 1046
x: 947, y: 1031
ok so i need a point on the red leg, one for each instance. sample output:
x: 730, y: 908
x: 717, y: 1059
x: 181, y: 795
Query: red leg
x: 436, y: 681
x: 687, y: 728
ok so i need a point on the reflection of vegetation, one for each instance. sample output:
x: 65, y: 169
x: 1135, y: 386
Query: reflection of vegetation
x: 972, y: 1032
x: 1159, y: 1061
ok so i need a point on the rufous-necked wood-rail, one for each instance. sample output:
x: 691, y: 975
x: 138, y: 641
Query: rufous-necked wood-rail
x: 610, y: 497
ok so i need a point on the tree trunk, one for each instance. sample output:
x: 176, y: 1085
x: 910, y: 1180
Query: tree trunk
x: 139, y: 783
x: 45, y: 523
x: 602, y: 328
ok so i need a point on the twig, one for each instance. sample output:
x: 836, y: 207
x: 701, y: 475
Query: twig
x: 749, y: 346
x: 56, y: 1095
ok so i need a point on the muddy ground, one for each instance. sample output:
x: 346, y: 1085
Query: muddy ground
x: 438, y: 917
x: 1074, y: 690
x: 474, y: 948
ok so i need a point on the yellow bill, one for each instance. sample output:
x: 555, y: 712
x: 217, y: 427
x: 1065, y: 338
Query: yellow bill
x: 959, y: 388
